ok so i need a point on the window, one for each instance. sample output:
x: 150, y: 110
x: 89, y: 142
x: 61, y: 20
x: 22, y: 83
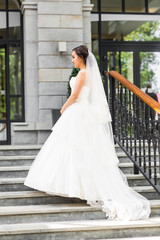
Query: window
x: 111, y: 6
x: 153, y: 6
x: 11, y: 67
x: 127, y: 6
x: 131, y: 30
x: 136, y: 6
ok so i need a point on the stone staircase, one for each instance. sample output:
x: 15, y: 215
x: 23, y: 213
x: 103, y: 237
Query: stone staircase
x: 27, y: 214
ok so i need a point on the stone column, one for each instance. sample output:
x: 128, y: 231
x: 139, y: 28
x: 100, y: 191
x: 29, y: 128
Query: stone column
x: 29, y: 11
x: 87, y: 8
x: 26, y: 133
x: 58, y: 21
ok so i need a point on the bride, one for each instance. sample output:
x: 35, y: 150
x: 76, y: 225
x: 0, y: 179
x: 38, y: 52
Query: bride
x: 78, y: 159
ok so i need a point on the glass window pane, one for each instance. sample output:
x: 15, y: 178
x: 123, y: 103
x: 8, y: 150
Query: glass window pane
x: 121, y: 62
x: 111, y: 6
x: 2, y: 25
x: 2, y: 4
x: 95, y: 44
x: 153, y: 6
x: 2, y: 84
x: 95, y: 8
x: 13, y: 4
x: 145, y: 31
x: 113, y: 61
x: 131, y: 30
x: 15, y: 70
x: 150, y: 71
x: 135, y: 6
x: 14, y: 25
x: 127, y: 65
x: 94, y: 27
x: 15, y: 108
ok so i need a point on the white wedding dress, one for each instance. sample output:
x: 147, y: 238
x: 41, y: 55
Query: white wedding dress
x: 79, y: 160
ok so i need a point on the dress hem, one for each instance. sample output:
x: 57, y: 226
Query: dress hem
x: 58, y: 194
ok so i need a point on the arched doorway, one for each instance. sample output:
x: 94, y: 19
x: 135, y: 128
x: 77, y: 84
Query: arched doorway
x: 11, y: 67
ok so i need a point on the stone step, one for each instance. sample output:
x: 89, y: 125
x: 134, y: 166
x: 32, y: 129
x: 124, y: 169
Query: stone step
x: 139, y: 180
x: 81, y: 229
x: 32, y: 198
x: 36, y: 197
x: 58, y: 212
x: 13, y: 184
x: 17, y: 150
x: 25, y: 160
x: 138, y: 146
x: 134, y: 238
x: 14, y: 171
x: 49, y: 212
x: 21, y: 171
x: 127, y: 167
x: 17, y: 184
x: 147, y: 191
x: 124, y: 158
x: 35, y: 146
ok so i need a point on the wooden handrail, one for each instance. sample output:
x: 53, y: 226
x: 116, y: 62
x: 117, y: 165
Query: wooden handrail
x: 137, y: 91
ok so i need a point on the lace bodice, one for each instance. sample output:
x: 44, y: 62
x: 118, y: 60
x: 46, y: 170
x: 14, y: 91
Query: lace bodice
x: 83, y: 93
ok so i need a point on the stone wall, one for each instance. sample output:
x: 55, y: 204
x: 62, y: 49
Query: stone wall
x: 58, y: 21
x: 46, y: 70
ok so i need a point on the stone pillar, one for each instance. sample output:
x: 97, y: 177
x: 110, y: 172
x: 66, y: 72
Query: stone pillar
x: 58, y: 21
x: 29, y: 11
x: 26, y: 133
x: 87, y: 8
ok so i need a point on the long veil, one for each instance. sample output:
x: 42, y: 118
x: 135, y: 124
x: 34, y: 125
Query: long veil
x: 97, y: 97
x: 117, y: 199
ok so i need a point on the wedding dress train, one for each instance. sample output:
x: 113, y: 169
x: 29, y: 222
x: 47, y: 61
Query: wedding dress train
x: 79, y: 160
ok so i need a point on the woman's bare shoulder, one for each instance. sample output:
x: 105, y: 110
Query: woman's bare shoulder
x: 82, y: 73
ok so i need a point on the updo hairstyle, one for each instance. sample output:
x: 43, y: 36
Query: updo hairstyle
x: 82, y: 52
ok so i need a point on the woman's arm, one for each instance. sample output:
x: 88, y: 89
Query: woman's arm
x: 80, y: 81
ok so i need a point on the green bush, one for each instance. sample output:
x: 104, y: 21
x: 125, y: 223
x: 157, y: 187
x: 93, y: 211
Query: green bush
x: 73, y: 74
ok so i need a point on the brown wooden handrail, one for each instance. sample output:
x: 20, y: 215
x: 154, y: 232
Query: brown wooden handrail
x: 137, y: 91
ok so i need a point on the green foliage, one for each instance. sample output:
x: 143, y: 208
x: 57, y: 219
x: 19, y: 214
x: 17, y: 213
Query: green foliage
x: 149, y: 31
x: 73, y: 74
x: 127, y: 65
x: 2, y: 83
x: 147, y: 74
x: 14, y: 83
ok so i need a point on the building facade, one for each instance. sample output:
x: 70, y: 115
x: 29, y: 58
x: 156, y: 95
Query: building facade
x: 49, y: 31
x: 36, y: 41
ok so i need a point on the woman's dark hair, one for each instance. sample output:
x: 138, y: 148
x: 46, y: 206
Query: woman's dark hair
x: 82, y: 52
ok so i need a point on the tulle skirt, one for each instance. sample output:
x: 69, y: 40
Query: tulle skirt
x: 79, y: 160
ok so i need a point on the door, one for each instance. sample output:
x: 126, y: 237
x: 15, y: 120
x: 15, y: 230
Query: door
x: 139, y: 62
